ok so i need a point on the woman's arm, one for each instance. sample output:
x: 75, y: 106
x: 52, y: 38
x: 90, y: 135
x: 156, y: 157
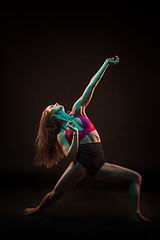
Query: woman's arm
x: 70, y: 151
x: 86, y: 97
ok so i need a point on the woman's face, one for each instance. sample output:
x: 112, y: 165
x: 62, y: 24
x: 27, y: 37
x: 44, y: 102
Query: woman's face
x: 55, y: 109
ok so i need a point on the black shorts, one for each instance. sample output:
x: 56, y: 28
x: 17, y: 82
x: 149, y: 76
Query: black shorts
x: 91, y: 156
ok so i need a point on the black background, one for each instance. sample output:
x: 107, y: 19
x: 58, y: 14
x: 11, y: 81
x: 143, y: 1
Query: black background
x: 50, y: 56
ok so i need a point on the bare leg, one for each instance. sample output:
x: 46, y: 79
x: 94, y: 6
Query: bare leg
x: 71, y: 177
x: 111, y: 172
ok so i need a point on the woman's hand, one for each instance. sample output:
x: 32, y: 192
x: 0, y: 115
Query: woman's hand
x: 31, y: 211
x: 113, y: 61
x: 72, y: 127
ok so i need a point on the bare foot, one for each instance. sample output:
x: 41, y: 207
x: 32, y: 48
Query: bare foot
x: 141, y: 219
x: 31, y: 211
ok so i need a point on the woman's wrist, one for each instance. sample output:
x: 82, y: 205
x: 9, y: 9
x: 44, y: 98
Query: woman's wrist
x: 107, y: 61
x: 75, y: 133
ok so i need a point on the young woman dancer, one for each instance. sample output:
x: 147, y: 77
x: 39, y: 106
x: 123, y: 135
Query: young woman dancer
x: 73, y: 135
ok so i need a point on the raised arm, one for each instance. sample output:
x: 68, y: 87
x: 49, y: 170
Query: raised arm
x: 97, y: 77
x: 86, y: 97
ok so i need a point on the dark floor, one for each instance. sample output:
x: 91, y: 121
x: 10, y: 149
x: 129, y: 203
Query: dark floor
x: 89, y: 210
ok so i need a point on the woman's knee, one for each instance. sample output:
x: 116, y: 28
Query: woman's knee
x: 138, y: 178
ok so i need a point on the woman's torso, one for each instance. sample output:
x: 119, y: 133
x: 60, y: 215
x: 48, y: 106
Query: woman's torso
x: 91, y: 137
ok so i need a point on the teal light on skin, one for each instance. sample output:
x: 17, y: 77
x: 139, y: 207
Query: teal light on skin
x: 58, y: 111
x: 75, y: 172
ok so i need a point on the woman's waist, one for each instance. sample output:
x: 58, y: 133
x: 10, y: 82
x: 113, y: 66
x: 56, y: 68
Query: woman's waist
x: 90, y: 150
x: 90, y: 147
x: 87, y: 142
x: 90, y: 138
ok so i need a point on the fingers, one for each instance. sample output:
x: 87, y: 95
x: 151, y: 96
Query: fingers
x: 111, y: 59
x: 71, y: 123
x: 117, y: 58
x: 114, y: 60
x: 72, y: 128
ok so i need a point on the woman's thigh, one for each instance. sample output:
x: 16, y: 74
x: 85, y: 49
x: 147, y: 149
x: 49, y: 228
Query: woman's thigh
x: 114, y: 173
x: 72, y: 176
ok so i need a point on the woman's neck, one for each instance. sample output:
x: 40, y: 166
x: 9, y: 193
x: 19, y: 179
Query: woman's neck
x: 64, y: 118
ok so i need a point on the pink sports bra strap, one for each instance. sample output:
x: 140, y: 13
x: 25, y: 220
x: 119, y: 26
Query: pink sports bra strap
x: 87, y: 128
x: 82, y: 119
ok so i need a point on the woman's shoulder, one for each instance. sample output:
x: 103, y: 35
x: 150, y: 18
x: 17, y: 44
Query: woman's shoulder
x: 77, y: 113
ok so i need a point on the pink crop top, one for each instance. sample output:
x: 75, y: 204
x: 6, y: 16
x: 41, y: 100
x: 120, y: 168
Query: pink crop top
x: 87, y: 128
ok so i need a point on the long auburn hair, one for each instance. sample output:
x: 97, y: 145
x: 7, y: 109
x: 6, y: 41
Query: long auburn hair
x: 48, y: 150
